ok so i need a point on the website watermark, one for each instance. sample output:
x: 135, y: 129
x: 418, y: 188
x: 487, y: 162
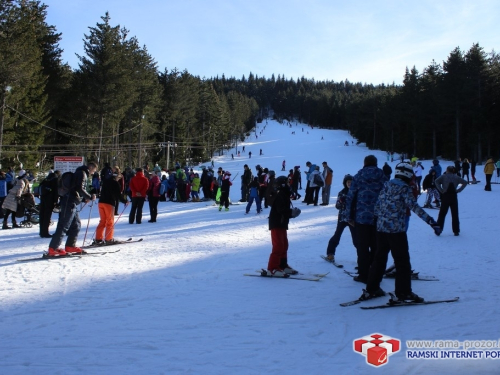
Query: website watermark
x: 377, y: 348
x: 453, y: 349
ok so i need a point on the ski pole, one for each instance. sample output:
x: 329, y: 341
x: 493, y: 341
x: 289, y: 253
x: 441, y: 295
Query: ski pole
x: 88, y: 223
x: 124, y: 207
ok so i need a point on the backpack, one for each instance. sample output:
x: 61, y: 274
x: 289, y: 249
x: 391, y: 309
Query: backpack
x: 65, y: 183
x: 318, y: 181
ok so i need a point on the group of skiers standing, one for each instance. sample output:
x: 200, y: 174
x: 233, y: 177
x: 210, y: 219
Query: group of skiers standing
x: 376, y: 209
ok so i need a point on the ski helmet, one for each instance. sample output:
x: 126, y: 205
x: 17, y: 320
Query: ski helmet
x: 404, y: 171
x: 272, y: 173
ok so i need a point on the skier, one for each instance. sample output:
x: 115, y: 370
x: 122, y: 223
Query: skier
x: 360, y: 204
x: 447, y: 185
x: 394, y: 199
x: 342, y: 221
x: 69, y: 220
x: 280, y: 215
x: 429, y: 184
x: 224, y: 190
x: 110, y: 194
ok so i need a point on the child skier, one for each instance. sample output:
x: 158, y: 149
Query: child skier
x: 278, y: 225
x: 390, y: 209
x: 342, y: 221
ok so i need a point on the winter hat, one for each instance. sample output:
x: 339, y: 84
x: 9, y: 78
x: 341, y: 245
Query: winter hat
x: 22, y: 172
x: 370, y: 161
x: 347, y: 177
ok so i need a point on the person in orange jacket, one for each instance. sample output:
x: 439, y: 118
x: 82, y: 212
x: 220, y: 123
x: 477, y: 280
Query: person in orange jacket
x: 139, y: 185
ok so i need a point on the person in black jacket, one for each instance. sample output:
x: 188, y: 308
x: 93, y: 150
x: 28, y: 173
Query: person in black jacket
x: 465, y: 169
x: 48, y: 200
x: 69, y: 221
x: 246, y: 180
x: 110, y: 194
x: 224, y: 191
x: 387, y: 170
x: 280, y: 215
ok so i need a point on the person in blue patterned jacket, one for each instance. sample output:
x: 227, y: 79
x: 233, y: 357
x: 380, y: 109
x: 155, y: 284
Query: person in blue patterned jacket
x: 390, y: 210
x: 360, y: 204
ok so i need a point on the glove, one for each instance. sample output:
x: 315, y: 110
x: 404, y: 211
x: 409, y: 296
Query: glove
x: 437, y: 229
x: 295, y: 212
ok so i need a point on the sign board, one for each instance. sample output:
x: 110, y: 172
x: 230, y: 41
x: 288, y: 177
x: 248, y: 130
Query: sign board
x: 67, y: 163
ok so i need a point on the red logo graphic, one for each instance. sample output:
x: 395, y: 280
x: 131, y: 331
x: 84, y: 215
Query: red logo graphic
x: 377, y: 348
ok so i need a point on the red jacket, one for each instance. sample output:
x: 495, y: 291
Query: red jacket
x: 139, y: 185
x: 154, y: 187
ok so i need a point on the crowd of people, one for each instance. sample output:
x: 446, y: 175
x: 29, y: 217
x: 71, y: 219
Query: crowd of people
x: 374, y: 207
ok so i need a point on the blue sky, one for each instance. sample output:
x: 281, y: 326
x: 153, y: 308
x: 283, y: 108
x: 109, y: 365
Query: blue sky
x: 362, y: 41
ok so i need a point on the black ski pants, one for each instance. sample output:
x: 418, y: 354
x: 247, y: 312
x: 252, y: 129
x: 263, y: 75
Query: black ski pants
x: 397, y: 244
x: 136, y: 210
x: 366, y: 246
x: 335, y: 240
x: 449, y: 201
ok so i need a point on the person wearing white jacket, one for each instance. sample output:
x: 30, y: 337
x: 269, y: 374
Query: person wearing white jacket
x: 417, y: 170
x: 316, y: 182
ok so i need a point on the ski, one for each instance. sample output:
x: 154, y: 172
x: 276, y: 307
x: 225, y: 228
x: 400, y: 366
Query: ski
x: 409, y: 303
x: 334, y: 263
x: 128, y: 241
x: 99, y: 252
x: 414, y: 276
x: 351, y: 273
x: 45, y: 257
x: 312, y: 275
x: 356, y: 301
x: 263, y: 273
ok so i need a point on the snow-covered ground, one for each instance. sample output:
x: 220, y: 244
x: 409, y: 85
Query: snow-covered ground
x: 178, y: 303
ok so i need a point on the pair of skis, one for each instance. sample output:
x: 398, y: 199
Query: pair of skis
x: 394, y: 302
x: 85, y: 253
x: 299, y: 276
x: 124, y: 242
x: 414, y: 276
x: 73, y: 256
